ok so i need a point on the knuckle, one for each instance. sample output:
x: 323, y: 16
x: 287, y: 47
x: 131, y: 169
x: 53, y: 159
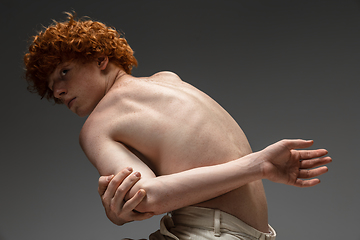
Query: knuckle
x: 112, y: 208
x: 114, y: 182
x: 120, y: 190
x: 132, y: 179
x: 103, y: 199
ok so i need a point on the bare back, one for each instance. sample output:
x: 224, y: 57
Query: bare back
x: 172, y: 127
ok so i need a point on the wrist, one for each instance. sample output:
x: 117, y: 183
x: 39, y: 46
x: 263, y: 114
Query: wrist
x: 256, y: 162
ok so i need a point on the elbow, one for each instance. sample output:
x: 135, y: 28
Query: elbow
x: 151, y: 205
x: 154, y: 201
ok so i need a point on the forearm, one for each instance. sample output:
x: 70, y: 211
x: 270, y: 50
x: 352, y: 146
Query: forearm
x: 170, y: 192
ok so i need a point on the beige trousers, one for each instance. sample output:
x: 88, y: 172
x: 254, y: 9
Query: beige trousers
x: 198, y: 223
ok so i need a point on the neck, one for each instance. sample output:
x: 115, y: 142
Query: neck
x: 115, y: 74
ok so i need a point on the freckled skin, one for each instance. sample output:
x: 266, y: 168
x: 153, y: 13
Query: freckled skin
x: 158, y: 125
x: 76, y: 80
x: 172, y: 127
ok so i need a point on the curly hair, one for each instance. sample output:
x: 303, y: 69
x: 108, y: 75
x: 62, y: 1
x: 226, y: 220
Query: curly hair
x: 83, y: 40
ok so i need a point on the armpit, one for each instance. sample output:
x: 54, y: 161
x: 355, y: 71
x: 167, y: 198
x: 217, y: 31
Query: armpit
x: 142, y: 158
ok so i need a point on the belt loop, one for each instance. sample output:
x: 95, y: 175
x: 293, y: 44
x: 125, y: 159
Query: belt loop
x: 217, y: 232
x: 169, y: 220
x: 265, y: 237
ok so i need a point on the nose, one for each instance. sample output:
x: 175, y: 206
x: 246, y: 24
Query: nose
x: 59, y: 92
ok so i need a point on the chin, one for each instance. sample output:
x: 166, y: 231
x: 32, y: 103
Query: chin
x: 82, y: 113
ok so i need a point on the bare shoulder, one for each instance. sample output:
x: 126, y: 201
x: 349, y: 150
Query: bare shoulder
x: 165, y: 76
x: 120, y: 111
x: 89, y: 130
x: 97, y: 126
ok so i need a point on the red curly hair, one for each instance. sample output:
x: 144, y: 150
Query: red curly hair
x: 83, y: 40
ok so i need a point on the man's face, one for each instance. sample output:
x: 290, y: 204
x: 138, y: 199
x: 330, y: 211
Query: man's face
x: 80, y: 86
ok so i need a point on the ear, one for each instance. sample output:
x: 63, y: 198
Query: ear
x: 102, y: 62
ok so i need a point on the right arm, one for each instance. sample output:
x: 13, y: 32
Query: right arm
x: 169, y: 192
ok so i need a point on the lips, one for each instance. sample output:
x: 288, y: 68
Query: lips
x: 70, y: 103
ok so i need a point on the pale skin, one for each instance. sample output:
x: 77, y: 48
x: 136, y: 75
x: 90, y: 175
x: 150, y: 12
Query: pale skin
x: 188, y: 149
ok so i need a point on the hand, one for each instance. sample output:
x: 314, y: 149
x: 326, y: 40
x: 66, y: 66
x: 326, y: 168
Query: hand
x: 284, y: 164
x: 113, y: 189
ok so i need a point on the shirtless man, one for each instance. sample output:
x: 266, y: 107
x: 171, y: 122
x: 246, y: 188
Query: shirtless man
x: 188, y: 149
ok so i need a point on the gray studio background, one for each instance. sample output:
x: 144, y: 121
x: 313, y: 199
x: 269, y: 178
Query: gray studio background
x: 283, y: 69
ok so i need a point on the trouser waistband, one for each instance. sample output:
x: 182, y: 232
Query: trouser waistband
x: 219, y: 222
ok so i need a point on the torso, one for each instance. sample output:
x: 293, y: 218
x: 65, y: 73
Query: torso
x: 176, y: 127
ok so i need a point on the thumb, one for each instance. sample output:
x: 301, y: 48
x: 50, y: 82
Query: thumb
x: 103, y: 184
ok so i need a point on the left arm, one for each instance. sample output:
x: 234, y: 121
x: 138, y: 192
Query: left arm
x: 279, y: 162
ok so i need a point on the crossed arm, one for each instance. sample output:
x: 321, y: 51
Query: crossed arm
x: 127, y: 197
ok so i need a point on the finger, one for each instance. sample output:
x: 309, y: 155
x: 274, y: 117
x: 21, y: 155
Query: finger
x: 103, y: 183
x: 133, y: 202
x: 115, y: 182
x: 122, y: 190
x: 308, y: 154
x: 313, y: 172
x: 307, y: 164
x: 307, y: 183
x: 297, y: 143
